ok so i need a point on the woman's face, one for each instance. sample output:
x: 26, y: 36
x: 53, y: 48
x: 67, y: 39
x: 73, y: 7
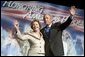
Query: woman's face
x: 36, y: 26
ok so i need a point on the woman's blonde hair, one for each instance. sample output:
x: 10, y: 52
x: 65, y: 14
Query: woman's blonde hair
x: 35, y: 21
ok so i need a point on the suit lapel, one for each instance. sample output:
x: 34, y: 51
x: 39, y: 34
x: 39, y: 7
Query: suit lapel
x: 45, y: 34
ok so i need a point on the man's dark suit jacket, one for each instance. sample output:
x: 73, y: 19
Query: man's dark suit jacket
x: 54, y: 40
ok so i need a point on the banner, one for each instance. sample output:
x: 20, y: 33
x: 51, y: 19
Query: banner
x: 25, y: 12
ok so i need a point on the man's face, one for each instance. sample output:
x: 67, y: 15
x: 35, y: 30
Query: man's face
x: 47, y: 19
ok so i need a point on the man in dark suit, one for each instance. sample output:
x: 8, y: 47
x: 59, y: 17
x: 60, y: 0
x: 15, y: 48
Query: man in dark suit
x: 52, y: 34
